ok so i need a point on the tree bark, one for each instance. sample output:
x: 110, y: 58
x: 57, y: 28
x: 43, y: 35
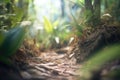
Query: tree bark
x: 106, y: 4
x: 97, y: 11
x: 88, y: 5
x: 88, y: 12
x: 62, y: 8
x: 92, y: 12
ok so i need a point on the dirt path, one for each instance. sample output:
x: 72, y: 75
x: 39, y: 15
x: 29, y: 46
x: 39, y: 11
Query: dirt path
x: 50, y: 65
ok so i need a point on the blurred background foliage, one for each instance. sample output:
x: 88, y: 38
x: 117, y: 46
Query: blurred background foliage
x: 60, y: 19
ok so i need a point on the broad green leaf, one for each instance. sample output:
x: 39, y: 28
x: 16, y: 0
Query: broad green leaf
x: 48, y: 25
x: 2, y: 37
x: 12, y: 41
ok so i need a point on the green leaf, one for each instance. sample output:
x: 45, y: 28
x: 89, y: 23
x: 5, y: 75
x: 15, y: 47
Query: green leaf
x: 48, y: 25
x: 56, y: 23
x: 12, y: 41
x: 17, y: 16
x: 2, y: 37
x: 4, y: 1
x: 81, y: 2
x: 77, y: 25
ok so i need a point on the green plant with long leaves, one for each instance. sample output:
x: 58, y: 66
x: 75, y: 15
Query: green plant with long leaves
x: 78, y: 25
x: 52, y: 30
x: 10, y: 42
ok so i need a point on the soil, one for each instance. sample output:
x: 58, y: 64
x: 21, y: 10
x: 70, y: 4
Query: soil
x: 49, y: 65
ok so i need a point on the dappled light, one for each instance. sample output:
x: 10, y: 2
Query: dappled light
x: 59, y: 39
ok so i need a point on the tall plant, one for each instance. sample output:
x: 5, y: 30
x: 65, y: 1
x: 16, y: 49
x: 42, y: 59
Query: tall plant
x: 92, y: 12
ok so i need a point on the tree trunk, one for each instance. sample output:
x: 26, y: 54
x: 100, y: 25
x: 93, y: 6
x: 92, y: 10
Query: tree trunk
x: 106, y: 4
x: 88, y: 5
x: 62, y: 8
x: 92, y: 13
x: 97, y: 12
x: 20, y: 4
x: 88, y: 12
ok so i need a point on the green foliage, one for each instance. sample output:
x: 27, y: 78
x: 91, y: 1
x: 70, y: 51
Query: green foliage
x: 2, y: 37
x: 10, y: 14
x: 113, y: 9
x: 88, y: 16
x: 4, y: 1
x: 51, y: 31
x: 11, y: 36
x: 78, y: 26
x: 80, y: 2
x: 12, y: 41
x: 48, y: 26
x: 97, y: 61
x: 17, y: 16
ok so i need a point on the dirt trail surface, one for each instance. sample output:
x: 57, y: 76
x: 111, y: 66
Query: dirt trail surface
x: 49, y: 65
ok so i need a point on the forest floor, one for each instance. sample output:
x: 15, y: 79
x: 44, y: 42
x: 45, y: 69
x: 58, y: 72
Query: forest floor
x: 48, y: 65
x: 60, y: 64
x: 30, y: 63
